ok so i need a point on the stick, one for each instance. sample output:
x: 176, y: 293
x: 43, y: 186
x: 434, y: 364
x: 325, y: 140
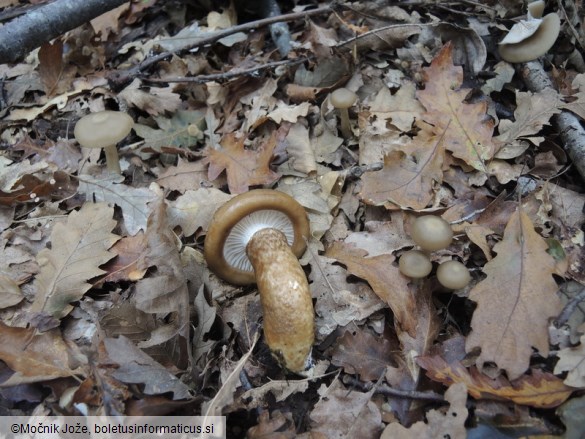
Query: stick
x: 29, y: 31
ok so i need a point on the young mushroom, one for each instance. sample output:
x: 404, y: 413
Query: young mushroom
x: 431, y: 232
x: 342, y: 99
x: 104, y: 129
x: 415, y: 264
x: 257, y: 237
x: 453, y: 275
x: 536, y: 44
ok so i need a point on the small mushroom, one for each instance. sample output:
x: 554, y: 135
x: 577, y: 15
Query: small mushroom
x: 431, y: 232
x: 415, y: 264
x: 104, y: 129
x: 536, y: 44
x: 342, y: 99
x: 257, y: 237
x: 453, y: 275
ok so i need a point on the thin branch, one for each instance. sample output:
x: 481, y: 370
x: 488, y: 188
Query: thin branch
x: 121, y: 77
x: 386, y: 390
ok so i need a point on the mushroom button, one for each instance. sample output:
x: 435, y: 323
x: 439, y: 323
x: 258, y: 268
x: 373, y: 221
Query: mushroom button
x: 453, y: 275
x: 342, y: 99
x: 431, y: 232
x: 415, y: 264
x: 257, y: 237
x: 104, y: 129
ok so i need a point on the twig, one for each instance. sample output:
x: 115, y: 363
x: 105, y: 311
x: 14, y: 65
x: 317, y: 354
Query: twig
x: 386, y: 390
x: 121, y: 77
x: 231, y: 73
x: 569, y: 308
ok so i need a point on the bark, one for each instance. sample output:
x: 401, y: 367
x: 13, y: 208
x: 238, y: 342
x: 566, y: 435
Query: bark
x: 29, y: 31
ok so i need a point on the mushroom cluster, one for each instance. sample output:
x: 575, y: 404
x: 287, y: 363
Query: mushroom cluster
x: 433, y: 233
x: 256, y: 237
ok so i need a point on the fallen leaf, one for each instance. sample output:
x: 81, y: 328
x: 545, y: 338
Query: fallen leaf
x: 341, y: 413
x: 409, y: 176
x: 539, y: 389
x: 446, y: 425
x: 155, y: 101
x: 360, y: 352
x: 132, y: 200
x: 126, y: 266
x: 182, y: 130
x: 184, y: 176
x: 275, y: 425
x: 244, y: 167
x: 572, y: 360
x: 515, y: 301
x: 465, y: 128
x: 34, y: 357
x: 77, y: 250
x: 10, y: 293
x: 137, y: 367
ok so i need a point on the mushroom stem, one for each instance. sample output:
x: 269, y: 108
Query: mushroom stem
x: 112, y: 159
x: 285, y: 297
x: 345, y: 125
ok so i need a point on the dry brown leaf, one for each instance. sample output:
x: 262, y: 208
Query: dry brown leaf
x: 573, y: 360
x: 155, y: 101
x: 32, y: 356
x: 539, y: 389
x: 446, y: 425
x: 244, y: 167
x: 409, y: 175
x: 184, y: 176
x: 164, y: 293
x: 533, y: 111
x: 360, y: 352
x: 137, y: 367
x: 51, y: 66
x: 77, y: 250
x: 194, y: 209
x: 465, y: 128
x: 129, y: 250
x: 10, y: 293
x: 132, y: 200
x: 515, y: 301
x: 342, y: 413
x: 415, y: 317
x: 273, y: 426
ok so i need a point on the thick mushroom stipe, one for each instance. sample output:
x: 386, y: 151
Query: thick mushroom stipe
x: 257, y: 237
x: 286, y: 299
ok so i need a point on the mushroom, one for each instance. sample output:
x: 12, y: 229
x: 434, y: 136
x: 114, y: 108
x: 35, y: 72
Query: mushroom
x: 257, y: 237
x: 453, y: 275
x: 104, y: 129
x: 342, y: 99
x: 415, y: 264
x: 431, y: 232
x: 536, y: 44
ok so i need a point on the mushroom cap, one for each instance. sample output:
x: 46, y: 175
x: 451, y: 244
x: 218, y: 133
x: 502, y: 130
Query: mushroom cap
x: 101, y: 129
x: 535, y: 45
x: 536, y: 8
x: 415, y: 264
x: 453, y: 275
x: 342, y: 98
x: 431, y: 232
x: 235, y: 222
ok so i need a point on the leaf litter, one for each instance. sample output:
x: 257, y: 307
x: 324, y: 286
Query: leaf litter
x: 108, y: 267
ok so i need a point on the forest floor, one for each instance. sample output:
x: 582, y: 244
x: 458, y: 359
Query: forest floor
x: 108, y: 305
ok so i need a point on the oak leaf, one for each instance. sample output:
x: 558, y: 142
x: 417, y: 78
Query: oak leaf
x: 515, y: 301
x: 446, y: 425
x: 572, y: 359
x: 466, y: 128
x: 32, y: 356
x: 539, y: 389
x: 77, y: 250
x: 244, y: 167
x: 409, y: 175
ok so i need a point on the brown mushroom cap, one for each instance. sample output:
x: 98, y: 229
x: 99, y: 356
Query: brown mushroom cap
x: 431, y: 232
x: 415, y: 264
x: 102, y: 129
x: 342, y: 98
x: 236, y: 221
x: 453, y: 275
x: 536, y: 45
